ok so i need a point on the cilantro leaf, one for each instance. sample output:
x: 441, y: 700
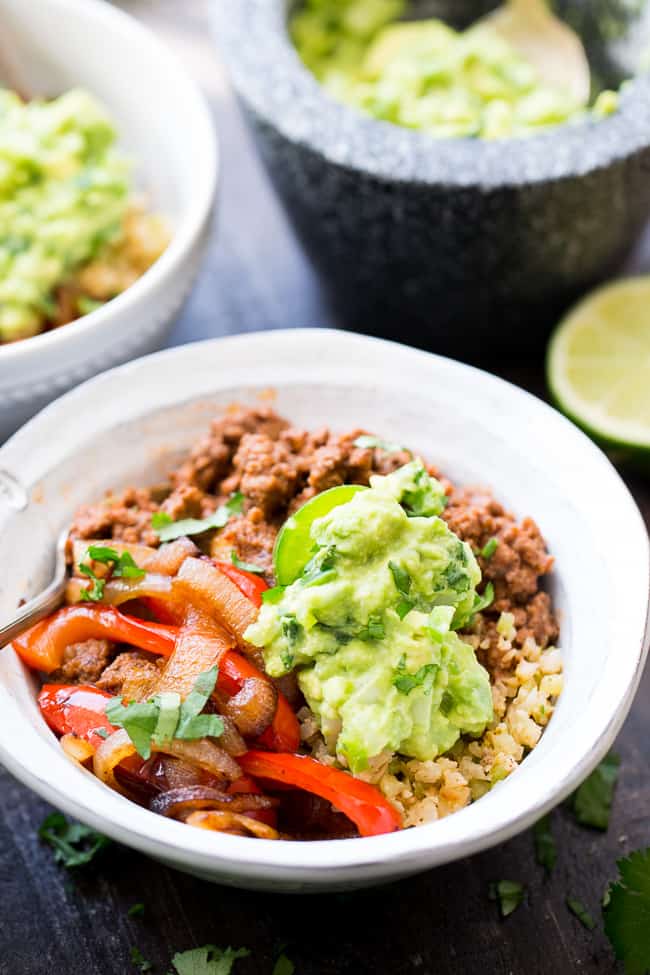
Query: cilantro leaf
x: 123, y: 565
x: 74, y: 844
x: 592, y: 801
x: 136, y: 910
x: 578, y: 908
x: 490, y: 548
x: 95, y: 592
x: 208, y: 960
x: 426, y: 500
x: 425, y: 676
x: 374, y: 628
x: 245, y: 566
x: 167, y: 529
x: 283, y: 966
x: 192, y: 724
x: 404, y: 607
x: 366, y: 442
x: 508, y: 893
x: 139, y: 720
x: 401, y: 578
x: 545, y: 849
x: 140, y: 961
x: 627, y: 913
x: 483, y: 601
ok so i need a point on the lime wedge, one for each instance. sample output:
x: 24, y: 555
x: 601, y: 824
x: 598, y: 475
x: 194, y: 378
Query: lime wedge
x: 598, y: 366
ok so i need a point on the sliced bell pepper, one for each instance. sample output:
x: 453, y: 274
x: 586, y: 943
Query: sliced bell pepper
x: 251, y: 585
x: 361, y: 802
x: 75, y: 709
x: 42, y: 647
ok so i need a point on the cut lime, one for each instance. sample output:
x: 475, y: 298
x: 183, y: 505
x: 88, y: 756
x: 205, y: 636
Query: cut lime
x: 294, y: 545
x: 598, y: 366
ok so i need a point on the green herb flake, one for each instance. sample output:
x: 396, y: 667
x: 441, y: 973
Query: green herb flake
x: 592, y: 801
x: 374, y: 628
x: 508, y: 893
x: 123, y: 565
x: 291, y: 629
x: 485, y: 600
x: 245, y: 566
x: 627, y: 913
x: 136, y: 910
x: 283, y: 966
x: 139, y: 720
x: 86, y: 305
x: 545, y: 849
x: 490, y: 548
x: 192, y: 724
x: 74, y: 845
x: 102, y: 732
x: 401, y: 578
x: 578, y: 908
x: 403, y: 608
x: 366, y: 442
x: 140, y: 962
x: 425, y: 676
x: 95, y: 592
x: 426, y: 500
x: 167, y: 529
x: 208, y: 960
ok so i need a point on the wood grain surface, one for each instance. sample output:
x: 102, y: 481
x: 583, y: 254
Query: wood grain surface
x: 440, y: 923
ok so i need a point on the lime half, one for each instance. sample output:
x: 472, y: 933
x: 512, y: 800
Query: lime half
x: 598, y: 366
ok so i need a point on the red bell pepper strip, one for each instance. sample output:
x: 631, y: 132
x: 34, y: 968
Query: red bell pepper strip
x: 76, y: 709
x: 283, y: 734
x: 42, y: 647
x: 361, y: 802
x: 248, y: 583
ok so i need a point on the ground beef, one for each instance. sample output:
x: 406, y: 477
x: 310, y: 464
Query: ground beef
x: 251, y: 537
x: 263, y: 470
x: 83, y: 663
x: 125, y: 516
x: 131, y: 674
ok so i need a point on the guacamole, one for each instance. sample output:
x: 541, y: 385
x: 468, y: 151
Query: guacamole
x: 369, y: 625
x: 424, y: 75
x: 64, y: 191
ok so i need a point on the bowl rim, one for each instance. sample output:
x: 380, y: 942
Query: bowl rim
x: 192, y: 221
x: 251, y: 358
x: 275, y: 84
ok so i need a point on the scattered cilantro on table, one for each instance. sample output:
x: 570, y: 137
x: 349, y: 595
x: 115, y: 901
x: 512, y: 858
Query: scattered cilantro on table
x: 592, y: 801
x: 208, y: 960
x: 508, y: 894
x: 136, y: 910
x: 627, y: 913
x: 283, y: 966
x: 140, y: 961
x: 545, y: 848
x: 74, y: 845
x: 578, y: 908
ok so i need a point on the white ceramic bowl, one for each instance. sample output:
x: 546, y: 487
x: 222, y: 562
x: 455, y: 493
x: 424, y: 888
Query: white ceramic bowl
x: 476, y: 427
x: 50, y: 46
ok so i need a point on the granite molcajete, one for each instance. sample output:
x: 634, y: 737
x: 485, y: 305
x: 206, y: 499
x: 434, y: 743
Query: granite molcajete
x: 444, y: 242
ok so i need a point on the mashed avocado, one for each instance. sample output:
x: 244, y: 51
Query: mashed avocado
x: 64, y: 192
x: 369, y: 625
x: 424, y: 75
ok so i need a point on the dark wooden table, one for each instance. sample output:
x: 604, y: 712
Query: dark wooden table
x: 441, y: 922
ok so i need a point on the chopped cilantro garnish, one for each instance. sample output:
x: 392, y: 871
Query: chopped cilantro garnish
x: 245, y: 566
x: 401, y: 578
x: 592, y: 801
x: 403, y: 608
x: 208, y: 960
x: 123, y: 565
x: 164, y: 717
x: 627, y: 913
x: 320, y: 568
x: 140, y: 961
x: 86, y: 305
x: 291, y: 629
x: 545, y: 849
x: 136, y: 910
x: 490, y: 548
x: 374, y: 628
x: 287, y: 659
x: 483, y: 601
x: 426, y: 500
x: 508, y: 893
x: 167, y: 529
x: 273, y: 595
x: 74, y: 845
x: 425, y: 676
x: 102, y: 732
x: 283, y: 966
x: 95, y: 592
x: 366, y: 442
x: 578, y: 908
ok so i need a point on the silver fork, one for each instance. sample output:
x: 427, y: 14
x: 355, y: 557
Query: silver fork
x: 42, y: 605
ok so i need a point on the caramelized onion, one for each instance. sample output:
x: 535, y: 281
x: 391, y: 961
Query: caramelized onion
x: 253, y: 707
x: 77, y: 749
x: 233, y: 823
x: 117, y: 591
x: 201, y: 583
x: 203, y: 754
x: 230, y: 740
x: 175, y: 802
x: 165, y: 560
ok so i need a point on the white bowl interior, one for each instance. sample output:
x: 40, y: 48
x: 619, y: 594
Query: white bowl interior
x: 478, y: 429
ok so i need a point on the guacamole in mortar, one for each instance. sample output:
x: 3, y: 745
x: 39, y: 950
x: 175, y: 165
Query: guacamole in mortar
x: 369, y: 625
x: 64, y: 192
x: 424, y: 75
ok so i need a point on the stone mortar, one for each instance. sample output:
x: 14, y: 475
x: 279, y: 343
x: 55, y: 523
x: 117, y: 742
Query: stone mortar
x: 461, y: 245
